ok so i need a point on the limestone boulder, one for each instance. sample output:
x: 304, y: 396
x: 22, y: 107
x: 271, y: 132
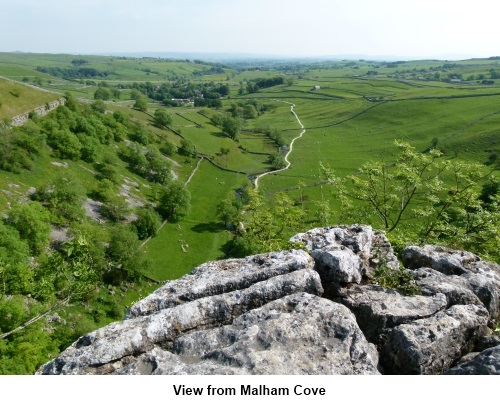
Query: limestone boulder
x: 483, y: 277
x: 380, y: 309
x: 432, y: 345
x: 485, y: 363
x: 142, y: 334
x: 298, y: 334
x: 219, y: 277
x: 346, y: 254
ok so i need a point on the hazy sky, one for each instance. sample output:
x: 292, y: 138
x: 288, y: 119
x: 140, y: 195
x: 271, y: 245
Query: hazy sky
x: 423, y: 28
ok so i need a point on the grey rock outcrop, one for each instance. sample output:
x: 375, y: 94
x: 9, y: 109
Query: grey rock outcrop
x: 346, y: 254
x: 265, y: 314
x: 432, y: 345
x: 298, y: 334
x: 219, y: 277
x: 21, y: 119
x: 482, y: 277
x: 138, y: 335
x: 484, y: 363
x: 379, y: 309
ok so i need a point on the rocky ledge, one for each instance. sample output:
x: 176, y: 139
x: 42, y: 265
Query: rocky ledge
x: 311, y: 311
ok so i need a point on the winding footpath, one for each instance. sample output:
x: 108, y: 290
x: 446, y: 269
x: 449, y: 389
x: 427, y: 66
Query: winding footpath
x: 288, y: 163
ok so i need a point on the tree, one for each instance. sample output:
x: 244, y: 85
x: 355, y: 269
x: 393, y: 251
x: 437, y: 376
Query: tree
x: 102, y: 94
x: 64, y: 198
x: 162, y: 118
x: 32, y: 222
x: 277, y: 161
x: 141, y: 104
x: 265, y: 227
x: 148, y: 222
x: 126, y: 259
x: 423, y: 196
x: 231, y: 127
x: 187, y: 147
x: 115, y: 207
x: 249, y: 111
x: 175, y: 201
x: 168, y: 147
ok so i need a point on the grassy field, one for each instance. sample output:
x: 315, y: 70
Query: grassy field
x: 18, y: 99
x: 359, y: 109
x: 355, y: 115
x: 199, y: 237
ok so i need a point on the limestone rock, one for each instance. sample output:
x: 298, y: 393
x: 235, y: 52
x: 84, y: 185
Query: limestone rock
x: 482, y: 276
x: 139, y: 335
x: 379, y: 309
x: 458, y: 290
x: 298, y: 334
x: 219, y: 277
x: 484, y: 363
x: 432, y: 345
x: 345, y: 254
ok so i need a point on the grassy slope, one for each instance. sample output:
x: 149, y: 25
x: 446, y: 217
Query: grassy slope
x: 16, y: 98
x: 344, y: 129
x: 200, y: 229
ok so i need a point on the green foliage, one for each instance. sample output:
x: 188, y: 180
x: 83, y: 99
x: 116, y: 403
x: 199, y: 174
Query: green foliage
x: 67, y: 145
x: 140, y: 134
x: 141, y: 104
x: 187, y: 148
x: 426, y: 198
x: 400, y: 278
x: 15, y: 274
x: 175, y: 201
x: 69, y: 273
x: 266, y: 228
x: 231, y: 127
x: 147, y: 223
x: 162, y: 118
x: 168, y: 148
x: 115, y: 207
x: 64, y: 197
x: 19, y: 148
x: 126, y: 260
x: 277, y: 161
x: 32, y: 222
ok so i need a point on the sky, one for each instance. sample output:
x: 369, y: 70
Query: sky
x: 401, y: 28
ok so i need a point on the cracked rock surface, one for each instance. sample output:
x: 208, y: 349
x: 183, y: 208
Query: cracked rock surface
x: 311, y: 311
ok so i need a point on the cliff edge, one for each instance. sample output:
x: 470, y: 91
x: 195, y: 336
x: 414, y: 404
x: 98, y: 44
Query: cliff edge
x: 312, y: 311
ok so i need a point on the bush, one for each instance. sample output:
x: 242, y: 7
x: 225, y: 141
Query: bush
x: 148, y: 222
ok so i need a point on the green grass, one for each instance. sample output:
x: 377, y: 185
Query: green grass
x: 200, y: 230
x: 351, y: 119
x: 16, y: 98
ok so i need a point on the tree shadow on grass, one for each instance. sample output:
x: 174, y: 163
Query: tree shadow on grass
x: 219, y: 134
x: 208, y: 227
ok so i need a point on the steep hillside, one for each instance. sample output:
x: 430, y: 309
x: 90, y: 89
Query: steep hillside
x: 16, y: 99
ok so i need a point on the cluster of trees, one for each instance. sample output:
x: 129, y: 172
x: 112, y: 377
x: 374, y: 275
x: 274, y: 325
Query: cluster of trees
x: 73, y: 73
x: 204, y: 94
x: 273, y: 133
x: 254, y: 85
x: 249, y: 109
x: 231, y: 126
x: 421, y: 198
x: 38, y: 276
x: 212, y: 71
x: 104, y: 93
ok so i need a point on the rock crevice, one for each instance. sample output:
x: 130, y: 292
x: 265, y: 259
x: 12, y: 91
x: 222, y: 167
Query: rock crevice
x: 312, y: 311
